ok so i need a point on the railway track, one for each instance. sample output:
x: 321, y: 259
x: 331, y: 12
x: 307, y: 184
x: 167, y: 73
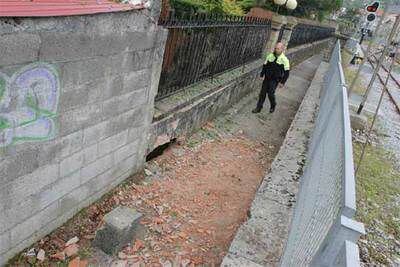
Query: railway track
x: 382, y: 81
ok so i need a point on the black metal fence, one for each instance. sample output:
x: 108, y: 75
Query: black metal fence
x: 281, y: 32
x: 200, y: 46
x: 305, y: 33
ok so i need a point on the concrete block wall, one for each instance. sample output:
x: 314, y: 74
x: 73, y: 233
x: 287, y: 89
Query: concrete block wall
x: 76, y: 103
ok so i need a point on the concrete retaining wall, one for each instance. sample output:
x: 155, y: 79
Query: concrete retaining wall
x: 216, y: 98
x: 76, y: 103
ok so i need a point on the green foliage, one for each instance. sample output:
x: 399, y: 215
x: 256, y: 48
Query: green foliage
x: 378, y: 189
x: 306, y: 8
x: 200, y: 6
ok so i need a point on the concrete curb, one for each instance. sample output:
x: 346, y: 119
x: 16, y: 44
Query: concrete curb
x: 261, y: 240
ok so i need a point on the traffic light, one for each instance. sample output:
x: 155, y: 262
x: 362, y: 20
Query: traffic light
x: 372, y: 9
x: 371, y: 17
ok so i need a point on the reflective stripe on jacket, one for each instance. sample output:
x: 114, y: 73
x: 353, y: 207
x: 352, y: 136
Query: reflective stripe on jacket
x: 276, y: 68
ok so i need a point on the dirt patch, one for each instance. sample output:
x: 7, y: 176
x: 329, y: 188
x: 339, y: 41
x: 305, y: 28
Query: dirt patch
x: 194, y: 197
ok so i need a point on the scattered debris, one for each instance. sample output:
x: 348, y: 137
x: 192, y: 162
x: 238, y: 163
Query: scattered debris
x: 71, y: 250
x: 31, y: 253
x: 147, y: 172
x: 77, y: 262
x: 73, y: 240
x: 58, y: 256
x: 41, y: 254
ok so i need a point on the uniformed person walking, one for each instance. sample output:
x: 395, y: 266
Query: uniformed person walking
x: 275, y: 72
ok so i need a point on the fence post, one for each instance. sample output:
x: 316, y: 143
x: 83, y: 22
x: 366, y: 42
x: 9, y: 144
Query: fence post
x: 291, y: 23
x: 277, y: 23
x: 344, y: 229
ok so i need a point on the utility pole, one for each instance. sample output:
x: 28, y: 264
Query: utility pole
x: 362, y: 35
x: 379, y: 63
x: 366, y: 54
x: 368, y: 135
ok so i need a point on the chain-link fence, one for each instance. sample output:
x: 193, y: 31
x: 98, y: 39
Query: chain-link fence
x: 322, y: 231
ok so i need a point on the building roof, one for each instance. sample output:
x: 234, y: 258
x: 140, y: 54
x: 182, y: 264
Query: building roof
x: 45, y: 8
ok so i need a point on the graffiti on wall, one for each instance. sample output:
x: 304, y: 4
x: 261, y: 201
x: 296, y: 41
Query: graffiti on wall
x: 28, y: 104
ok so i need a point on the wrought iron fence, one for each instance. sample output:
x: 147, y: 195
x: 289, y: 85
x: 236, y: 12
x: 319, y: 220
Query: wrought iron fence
x: 305, y: 33
x: 281, y: 32
x: 200, y: 46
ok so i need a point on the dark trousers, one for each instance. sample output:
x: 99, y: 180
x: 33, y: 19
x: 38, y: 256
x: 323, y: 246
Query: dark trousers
x: 268, y: 87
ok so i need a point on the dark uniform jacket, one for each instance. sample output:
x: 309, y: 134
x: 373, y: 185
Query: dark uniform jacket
x: 276, y: 68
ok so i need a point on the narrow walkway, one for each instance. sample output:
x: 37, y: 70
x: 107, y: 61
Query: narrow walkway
x: 260, y: 241
x: 197, y: 194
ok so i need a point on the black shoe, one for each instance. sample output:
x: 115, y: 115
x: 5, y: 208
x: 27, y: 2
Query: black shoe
x: 256, y: 110
x: 271, y: 110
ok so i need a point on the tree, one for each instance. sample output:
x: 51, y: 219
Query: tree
x: 306, y: 8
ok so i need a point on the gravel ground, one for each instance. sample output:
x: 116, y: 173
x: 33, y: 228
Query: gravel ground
x: 381, y: 245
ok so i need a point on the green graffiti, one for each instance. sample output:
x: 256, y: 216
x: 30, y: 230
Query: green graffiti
x: 4, y: 124
x: 28, y: 104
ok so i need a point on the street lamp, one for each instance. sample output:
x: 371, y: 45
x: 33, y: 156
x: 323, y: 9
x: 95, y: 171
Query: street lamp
x: 290, y: 4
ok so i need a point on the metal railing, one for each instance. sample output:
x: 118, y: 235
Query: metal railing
x: 323, y: 232
x: 200, y: 46
x: 281, y: 32
x: 305, y: 33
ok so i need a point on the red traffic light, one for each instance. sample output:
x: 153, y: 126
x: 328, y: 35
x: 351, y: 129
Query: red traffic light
x: 373, y: 8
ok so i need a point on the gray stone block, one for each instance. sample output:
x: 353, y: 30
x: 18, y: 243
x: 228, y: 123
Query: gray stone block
x: 136, y: 80
x: 93, y: 134
x: 139, y: 60
x: 77, y: 119
x: 18, y: 213
x: 51, y: 152
x: 130, y: 119
x: 112, y: 143
x: 128, y: 165
x: 57, y: 190
x: 71, y: 164
x: 19, y: 48
x: 4, y: 242
x: 71, y: 201
x: 90, y: 154
x: 113, y: 87
x: 70, y: 144
x: 126, y: 151
x: 29, y: 205
x: 80, y: 72
x: 136, y: 132
x: 16, y: 191
x: 75, y: 98
x: 19, y: 164
x: 99, y: 166
x: 28, y: 227
x: 123, y: 103
x: 120, y: 226
x: 75, y: 46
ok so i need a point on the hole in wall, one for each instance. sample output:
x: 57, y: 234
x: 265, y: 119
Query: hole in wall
x: 158, y: 151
